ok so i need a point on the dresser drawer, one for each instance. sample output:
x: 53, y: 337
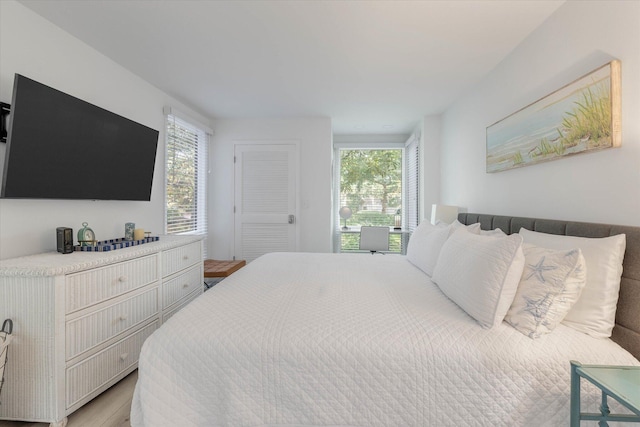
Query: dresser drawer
x: 89, y: 375
x: 90, y: 287
x: 99, y: 326
x: 181, y: 285
x: 180, y: 258
x: 179, y: 305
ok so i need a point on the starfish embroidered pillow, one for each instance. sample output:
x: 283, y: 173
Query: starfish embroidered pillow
x: 551, y: 283
x: 595, y: 311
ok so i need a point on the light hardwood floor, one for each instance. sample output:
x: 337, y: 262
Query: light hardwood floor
x: 110, y: 409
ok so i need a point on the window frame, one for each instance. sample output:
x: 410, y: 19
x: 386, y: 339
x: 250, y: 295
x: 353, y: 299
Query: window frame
x: 338, y: 147
x: 411, y: 209
x: 202, y: 171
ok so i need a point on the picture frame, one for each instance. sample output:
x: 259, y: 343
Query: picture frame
x: 582, y: 116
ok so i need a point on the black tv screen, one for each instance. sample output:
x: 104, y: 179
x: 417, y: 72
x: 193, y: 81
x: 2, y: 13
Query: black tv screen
x: 61, y: 147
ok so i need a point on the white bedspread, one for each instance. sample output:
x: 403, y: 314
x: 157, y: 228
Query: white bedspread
x: 352, y: 340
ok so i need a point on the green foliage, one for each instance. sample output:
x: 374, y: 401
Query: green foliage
x: 547, y: 147
x: 373, y: 218
x: 368, y: 176
x: 375, y: 173
x: 517, y: 158
x: 181, y: 180
x: 590, y: 120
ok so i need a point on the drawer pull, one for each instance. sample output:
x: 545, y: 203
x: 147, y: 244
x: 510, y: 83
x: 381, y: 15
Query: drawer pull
x: 185, y: 257
x: 122, y: 279
x: 123, y: 317
x: 185, y: 286
x: 124, y: 356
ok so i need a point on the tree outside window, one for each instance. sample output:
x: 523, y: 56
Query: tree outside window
x: 182, y: 179
x: 186, y: 176
x: 371, y: 185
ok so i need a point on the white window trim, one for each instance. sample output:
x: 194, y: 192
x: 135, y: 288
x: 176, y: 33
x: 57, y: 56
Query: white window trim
x: 203, y: 172
x: 337, y: 146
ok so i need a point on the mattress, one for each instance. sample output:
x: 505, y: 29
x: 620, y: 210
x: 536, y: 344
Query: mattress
x: 302, y: 339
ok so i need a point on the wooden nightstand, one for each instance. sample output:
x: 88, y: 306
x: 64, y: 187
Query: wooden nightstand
x: 620, y: 382
x: 218, y: 270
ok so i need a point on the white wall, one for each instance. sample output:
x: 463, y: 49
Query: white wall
x: 601, y: 186
x: 34, y: 47
x: 314, y: 137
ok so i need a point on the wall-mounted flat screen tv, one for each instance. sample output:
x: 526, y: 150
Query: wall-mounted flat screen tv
x: 61, y: 147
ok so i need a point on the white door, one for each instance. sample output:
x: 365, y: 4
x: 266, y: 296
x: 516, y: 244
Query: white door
x: 265, y: 218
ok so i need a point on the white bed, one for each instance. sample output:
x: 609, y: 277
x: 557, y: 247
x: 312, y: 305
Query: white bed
x: 302, y: 339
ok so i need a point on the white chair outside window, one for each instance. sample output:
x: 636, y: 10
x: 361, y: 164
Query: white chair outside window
x: 374, y: 239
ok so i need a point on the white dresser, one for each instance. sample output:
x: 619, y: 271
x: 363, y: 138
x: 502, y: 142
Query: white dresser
x: 80, y: 320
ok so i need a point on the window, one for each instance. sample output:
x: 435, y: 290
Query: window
x: 411, y: 217
x: 380, y: 186
x: 186, y: 177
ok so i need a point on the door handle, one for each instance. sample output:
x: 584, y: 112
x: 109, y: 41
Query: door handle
x: 292, y: 219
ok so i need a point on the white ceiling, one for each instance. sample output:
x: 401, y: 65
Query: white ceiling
x: 371, y: 66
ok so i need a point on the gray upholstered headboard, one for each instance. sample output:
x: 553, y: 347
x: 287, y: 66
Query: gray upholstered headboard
x: 627, y: 329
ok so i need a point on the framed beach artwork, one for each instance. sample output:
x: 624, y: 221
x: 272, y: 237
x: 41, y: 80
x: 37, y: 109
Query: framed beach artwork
x: 582, y: 116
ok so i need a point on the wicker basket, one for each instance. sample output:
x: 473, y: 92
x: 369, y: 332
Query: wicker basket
x: 5, y: 339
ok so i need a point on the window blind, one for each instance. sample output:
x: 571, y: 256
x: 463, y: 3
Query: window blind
x: 412, y: 183
x: 186, y: 178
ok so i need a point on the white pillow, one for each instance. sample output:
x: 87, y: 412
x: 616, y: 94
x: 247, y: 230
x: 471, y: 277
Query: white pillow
x: 480, y: 274
x: 495, y: 233
x: 595, y: 311
x: 416, y: 247
x: 472, y: 228
x: 427, y: 240
x: 551, y: 283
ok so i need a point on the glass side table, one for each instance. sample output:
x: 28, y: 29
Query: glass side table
x: 620, y: 382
